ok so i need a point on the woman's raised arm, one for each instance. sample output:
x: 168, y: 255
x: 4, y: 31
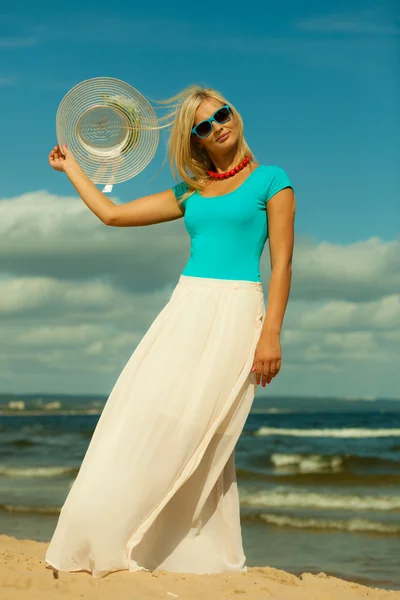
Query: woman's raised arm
x: 148, y: 210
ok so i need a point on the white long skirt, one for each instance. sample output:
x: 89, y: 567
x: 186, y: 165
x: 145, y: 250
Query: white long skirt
x: 157, y: 486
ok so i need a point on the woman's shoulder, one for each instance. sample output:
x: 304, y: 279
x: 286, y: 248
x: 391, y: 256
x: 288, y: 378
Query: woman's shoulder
x: 275, y: 178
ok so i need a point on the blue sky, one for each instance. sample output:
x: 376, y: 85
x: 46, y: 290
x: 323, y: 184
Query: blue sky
x: 317, y: 85
x: 318, y: 90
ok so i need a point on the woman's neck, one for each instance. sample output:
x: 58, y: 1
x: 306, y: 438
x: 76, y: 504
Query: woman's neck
x: 226, y: 163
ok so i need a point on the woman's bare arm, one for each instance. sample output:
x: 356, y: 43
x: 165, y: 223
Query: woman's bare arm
x: 156, y: 208
x: 148, y: 210
x: 281, y: 210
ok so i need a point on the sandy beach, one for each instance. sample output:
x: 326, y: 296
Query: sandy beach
x: 24, y: 574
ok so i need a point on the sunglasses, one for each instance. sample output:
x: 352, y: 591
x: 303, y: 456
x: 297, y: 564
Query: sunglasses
x: 204, y: 128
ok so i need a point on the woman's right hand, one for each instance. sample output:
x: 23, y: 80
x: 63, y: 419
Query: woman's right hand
x: 62, y: 161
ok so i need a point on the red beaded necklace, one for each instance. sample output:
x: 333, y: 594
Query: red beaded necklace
x: 233, y: 171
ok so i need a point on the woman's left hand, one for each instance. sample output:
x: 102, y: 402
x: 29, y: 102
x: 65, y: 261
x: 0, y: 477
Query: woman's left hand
x: 267, y: 358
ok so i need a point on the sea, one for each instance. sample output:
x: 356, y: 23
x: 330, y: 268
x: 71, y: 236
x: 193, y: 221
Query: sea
x: 319, y: 478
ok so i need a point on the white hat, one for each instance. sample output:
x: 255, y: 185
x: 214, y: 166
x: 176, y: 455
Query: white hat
x: 110, y: 128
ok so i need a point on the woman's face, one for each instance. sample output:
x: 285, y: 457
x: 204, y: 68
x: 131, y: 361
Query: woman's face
x: 223, y: 136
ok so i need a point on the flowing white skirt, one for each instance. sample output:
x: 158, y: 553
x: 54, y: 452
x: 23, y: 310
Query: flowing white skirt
x: 157, y: 486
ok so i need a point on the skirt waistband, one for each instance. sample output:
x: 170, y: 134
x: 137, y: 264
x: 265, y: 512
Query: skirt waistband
x: 231, y: 284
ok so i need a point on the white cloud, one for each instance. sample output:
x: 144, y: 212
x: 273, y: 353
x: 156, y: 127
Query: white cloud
x: 61, y: 335
x: 42, y: 234
x: 46, y: 235
x: 76, y: 298
x: 342, y: 315
x: 26, y: 293
x: 346, y: 337
x: 362, y: 271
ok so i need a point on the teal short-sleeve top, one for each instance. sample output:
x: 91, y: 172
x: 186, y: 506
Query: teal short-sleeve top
x: 228, y: 232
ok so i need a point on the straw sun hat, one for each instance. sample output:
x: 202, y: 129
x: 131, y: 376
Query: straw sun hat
x: 110, y: 128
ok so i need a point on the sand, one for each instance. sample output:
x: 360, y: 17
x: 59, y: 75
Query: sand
x: 24, y: 574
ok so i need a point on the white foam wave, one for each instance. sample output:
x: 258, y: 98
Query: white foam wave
x: 279, y: 499
x: 337, y: 524
x: 313, y: 463
x: 41, y: 411
x: 34, y: 471
x: 272, y: 411
x: 45, y: 510
x: 339, y: 433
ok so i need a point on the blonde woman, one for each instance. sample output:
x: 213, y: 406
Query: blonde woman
x: 157, y: 486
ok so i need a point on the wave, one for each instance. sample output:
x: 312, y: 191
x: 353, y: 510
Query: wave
x: 280, y: 499
x: 272, y: 411
x: 359, y: 525
x: 351, y: 525
x: 35, y: 440
x: 22, y: 443
x: 37, y: 412
x: 37, y: 471
x: 334, y: 463
x: 36, y: 510
x: 338, y: 433
x: 312, y: 463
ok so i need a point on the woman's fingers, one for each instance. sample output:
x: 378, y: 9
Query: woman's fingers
x: 272, y: 372
x: 256, y: 368
x: 56, y: 158
x: 266, y: 371
x: 259, y: 371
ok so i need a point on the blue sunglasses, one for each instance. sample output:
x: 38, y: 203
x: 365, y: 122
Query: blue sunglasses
x: 204, y: 128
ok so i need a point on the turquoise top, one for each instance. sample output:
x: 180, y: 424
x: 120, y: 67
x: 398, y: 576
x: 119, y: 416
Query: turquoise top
x: 228, y: 232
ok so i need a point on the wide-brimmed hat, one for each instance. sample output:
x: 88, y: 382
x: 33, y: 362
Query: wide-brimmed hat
x: 110, y: 128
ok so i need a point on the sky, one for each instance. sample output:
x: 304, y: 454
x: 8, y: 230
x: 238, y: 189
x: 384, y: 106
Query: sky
x: 318, y: 87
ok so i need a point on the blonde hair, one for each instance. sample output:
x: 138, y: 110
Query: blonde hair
x: 188, y: 162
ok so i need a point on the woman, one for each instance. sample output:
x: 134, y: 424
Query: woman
x: 157, y: 486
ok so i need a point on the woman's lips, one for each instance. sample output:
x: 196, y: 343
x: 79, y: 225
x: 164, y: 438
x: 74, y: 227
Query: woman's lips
x: 223, y: 137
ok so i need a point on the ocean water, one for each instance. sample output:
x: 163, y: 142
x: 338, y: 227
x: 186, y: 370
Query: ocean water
x: 319, y: 489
